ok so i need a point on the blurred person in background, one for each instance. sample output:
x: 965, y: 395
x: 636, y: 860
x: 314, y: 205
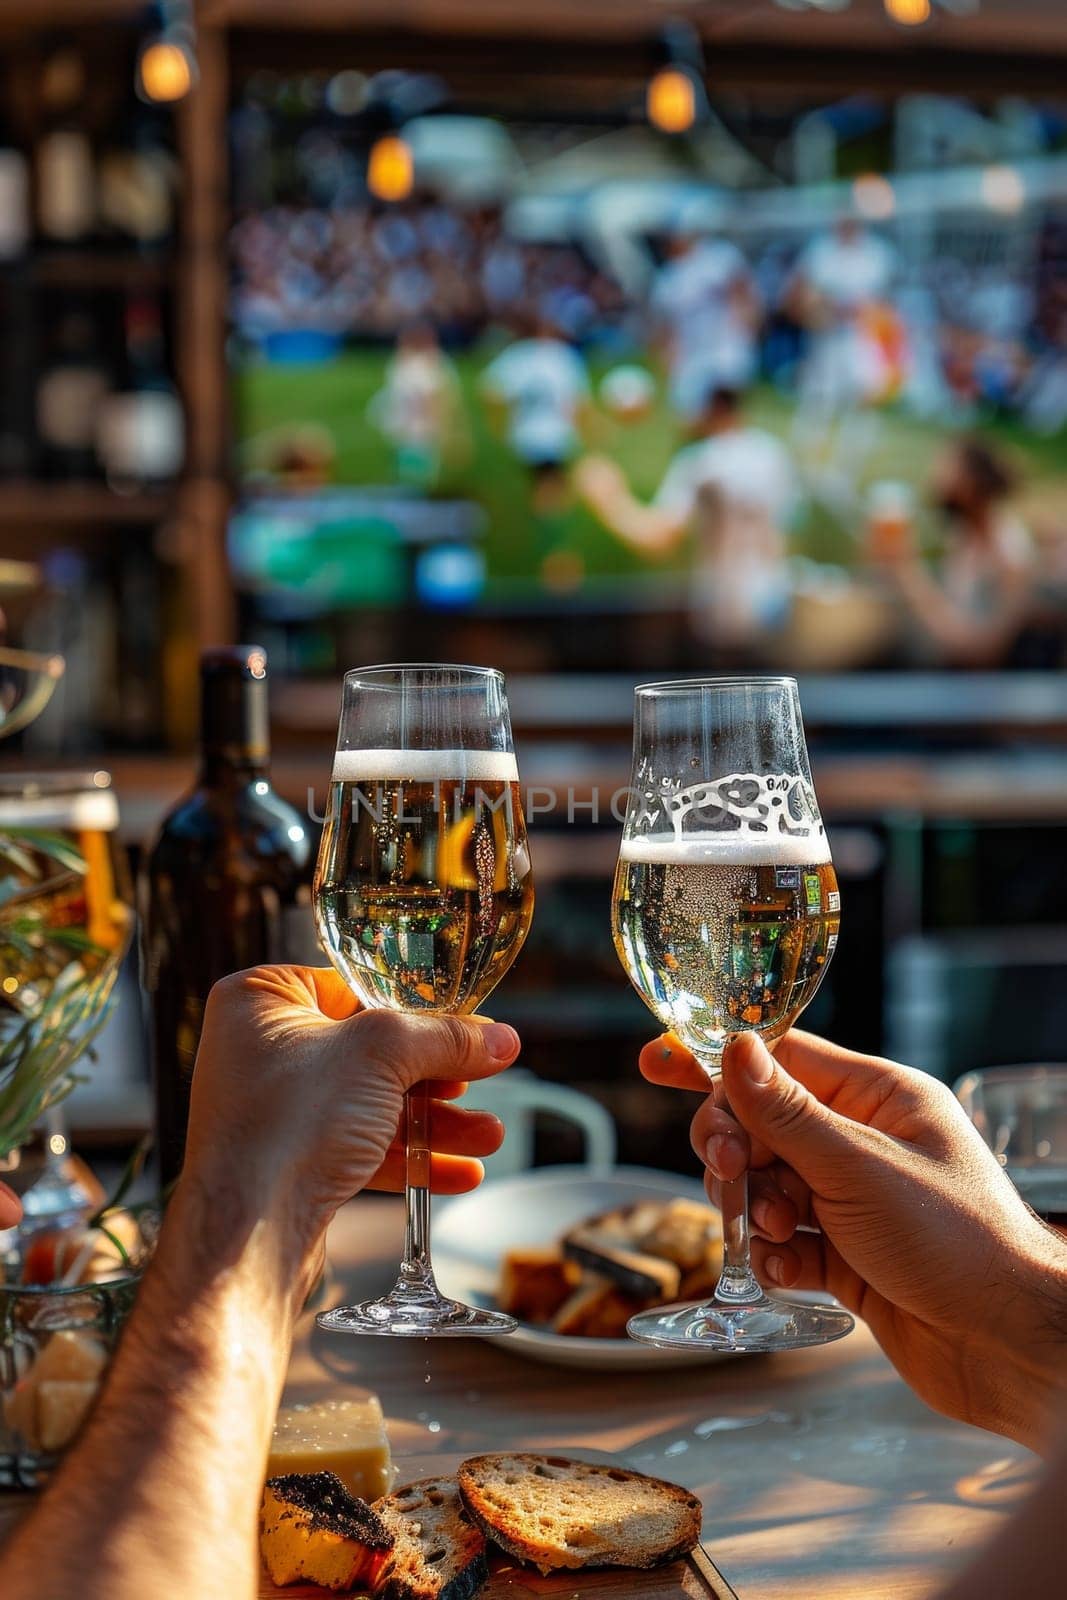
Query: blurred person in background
x: 973, y: 608
x: 538, y: 389
x: 706, y: 314
x: 419, y: 406
x: 734, y: 491
x: 854, y: 356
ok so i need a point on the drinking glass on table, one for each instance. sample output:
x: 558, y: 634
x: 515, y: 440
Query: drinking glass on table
x: 1021, y: 1113
x: 725, y: 915
x: 423, y: 897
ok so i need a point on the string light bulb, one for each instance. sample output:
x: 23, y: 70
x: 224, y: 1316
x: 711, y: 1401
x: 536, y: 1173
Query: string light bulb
x: 391, y: 168
x: 671, y: 100
x: 165, y: 72
x: 910, y: 13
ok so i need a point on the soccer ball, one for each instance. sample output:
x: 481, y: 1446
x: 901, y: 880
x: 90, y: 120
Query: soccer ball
x: 627, y: 393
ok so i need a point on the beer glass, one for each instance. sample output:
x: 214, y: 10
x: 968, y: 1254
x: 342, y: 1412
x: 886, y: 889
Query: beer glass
x: 423, y: 897
x: 725, y: 915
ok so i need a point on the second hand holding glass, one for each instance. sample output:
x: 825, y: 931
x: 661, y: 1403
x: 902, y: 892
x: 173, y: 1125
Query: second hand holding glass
x: 423, y: 898
x: 725, y: 915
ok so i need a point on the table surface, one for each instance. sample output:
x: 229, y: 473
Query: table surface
x: 820, y: 1473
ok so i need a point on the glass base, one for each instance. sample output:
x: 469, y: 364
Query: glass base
x: 416, y: 1313
x: 756, y: 1328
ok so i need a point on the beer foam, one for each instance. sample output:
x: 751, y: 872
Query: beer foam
x: 88, y: 810
x: 728, y: 850
x: 425, y: 766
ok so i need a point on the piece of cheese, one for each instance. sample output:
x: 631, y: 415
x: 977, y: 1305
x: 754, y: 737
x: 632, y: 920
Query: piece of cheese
x: 62, y: 1407
x: 313, y: 1531
x: 70, y: 1357
x: 346, y: 1437
x: 68, y: 1360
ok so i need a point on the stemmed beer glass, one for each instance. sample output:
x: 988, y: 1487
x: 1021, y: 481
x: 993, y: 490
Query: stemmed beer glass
x: 423, y: 897
x: 725, y: 915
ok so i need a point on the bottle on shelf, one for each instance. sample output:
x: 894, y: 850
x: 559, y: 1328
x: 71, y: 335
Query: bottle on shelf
x: 18, y: 371
x: 15, y: 222
x: 140, y: 435
x: 137, y: 181
x: 65, y: 176
x: 72, y: 387
x: 225, y: 883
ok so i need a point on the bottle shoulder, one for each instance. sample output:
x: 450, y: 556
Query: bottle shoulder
x: 209, y: 818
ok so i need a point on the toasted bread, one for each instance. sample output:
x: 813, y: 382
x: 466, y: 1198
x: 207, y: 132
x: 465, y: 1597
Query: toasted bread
x: 553, y: 1512
x: 535, y: 1282
x: 313, y: 1531
x: 597, y: 1310
x: 645, y: 1276
x: 681, y: 1232
x: 438, y: 1552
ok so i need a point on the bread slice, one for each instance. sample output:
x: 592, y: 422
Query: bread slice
x: 598, y: 1310
x: 438, y: 1553
x: 313, y: 1531
x: 552, y: 1512
x: 681, y: 1232
x: 644, y: 1276
x: 534, y: 1282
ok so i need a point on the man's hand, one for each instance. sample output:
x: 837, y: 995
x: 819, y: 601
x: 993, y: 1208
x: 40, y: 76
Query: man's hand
x: 904, y: 1216
x: 297, y: 1096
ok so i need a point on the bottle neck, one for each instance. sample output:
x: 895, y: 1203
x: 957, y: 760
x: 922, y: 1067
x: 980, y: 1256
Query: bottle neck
x: 234, y: 729
x: 223, y: 769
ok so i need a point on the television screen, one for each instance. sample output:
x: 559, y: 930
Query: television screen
x: 801, y: 380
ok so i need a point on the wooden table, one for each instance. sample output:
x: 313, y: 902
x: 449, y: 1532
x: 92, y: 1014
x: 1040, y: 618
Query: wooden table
x: 821, y: 1474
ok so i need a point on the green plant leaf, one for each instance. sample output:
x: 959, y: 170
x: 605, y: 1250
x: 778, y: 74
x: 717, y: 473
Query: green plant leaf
x: 130, y: 1173
x: 16, y: 856
x: 56, y: 846
x: 124, y: 1254
x: 38, y: 1054
x: 75, y: 939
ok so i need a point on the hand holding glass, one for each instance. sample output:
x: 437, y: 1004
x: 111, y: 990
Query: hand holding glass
x: 423, y: 898
x: 725, y: 915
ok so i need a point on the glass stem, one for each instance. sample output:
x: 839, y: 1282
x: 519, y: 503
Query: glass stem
x: 416, y: 1269
x: 738, y: 1284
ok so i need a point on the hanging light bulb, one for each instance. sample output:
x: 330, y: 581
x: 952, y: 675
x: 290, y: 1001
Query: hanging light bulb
x: 165, y: 72
x: 671, y: 100
x: 910, y: 13
x: 391, y: 168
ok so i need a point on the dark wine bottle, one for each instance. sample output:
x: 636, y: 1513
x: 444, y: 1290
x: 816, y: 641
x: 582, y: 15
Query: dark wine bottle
x: 140, y: 432
x: 225, y: 884
x: 73, y: 386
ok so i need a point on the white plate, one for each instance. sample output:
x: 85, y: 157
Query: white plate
x: 472, y: 1233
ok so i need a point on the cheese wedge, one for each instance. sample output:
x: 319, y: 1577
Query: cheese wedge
x: 62, y: 1407
x: 313, y: 1531
x: 346, y: 1437
x: 70, y: 1357
x: 70, y: 1365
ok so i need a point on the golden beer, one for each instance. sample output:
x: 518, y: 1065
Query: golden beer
x: 718, y: 936
x: 65, y: 901
x: 423, y: 892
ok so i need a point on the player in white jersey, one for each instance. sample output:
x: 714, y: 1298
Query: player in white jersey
x: 734, y: 491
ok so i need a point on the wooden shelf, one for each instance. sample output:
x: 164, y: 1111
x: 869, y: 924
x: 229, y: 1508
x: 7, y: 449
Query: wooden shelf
x: 39, y: 505
x: 20, y: 16
x: 92, y: 268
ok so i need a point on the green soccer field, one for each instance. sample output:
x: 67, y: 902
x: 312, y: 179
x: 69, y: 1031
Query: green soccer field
x: 336, y: 395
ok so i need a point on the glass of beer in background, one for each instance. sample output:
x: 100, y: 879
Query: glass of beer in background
x: 423, y: 897
x: 725, y: 915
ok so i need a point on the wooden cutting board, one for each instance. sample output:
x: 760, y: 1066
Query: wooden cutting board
x: 695, y: 1578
